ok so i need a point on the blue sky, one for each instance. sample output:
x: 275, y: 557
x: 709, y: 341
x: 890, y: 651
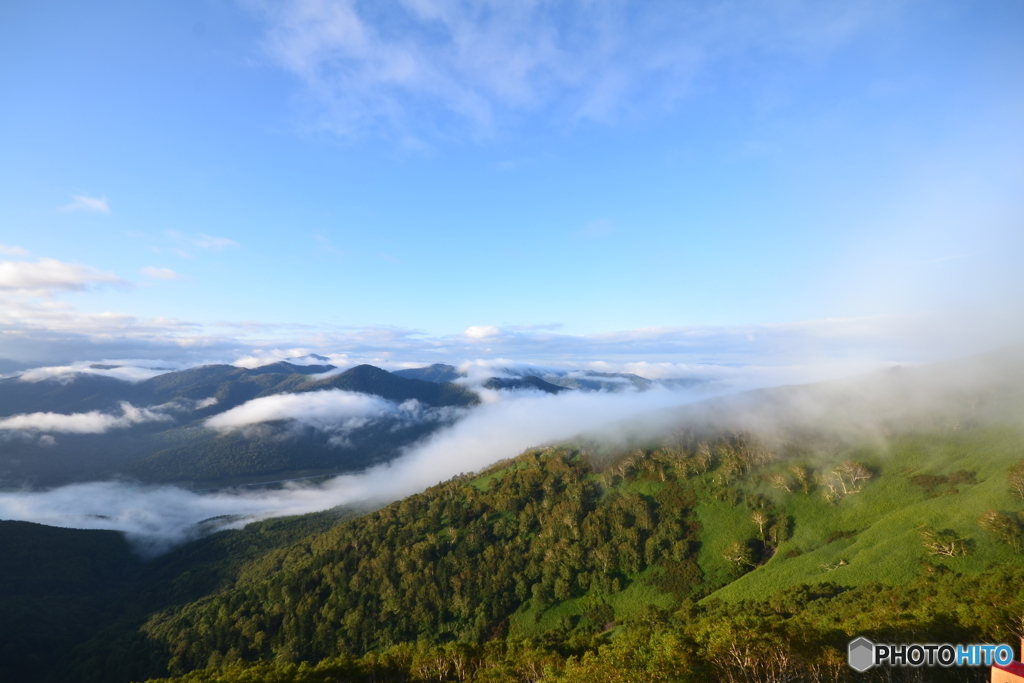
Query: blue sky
x: 677, y: 183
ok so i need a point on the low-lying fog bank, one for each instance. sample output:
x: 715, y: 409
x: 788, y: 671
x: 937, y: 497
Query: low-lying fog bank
x: 983, y: 389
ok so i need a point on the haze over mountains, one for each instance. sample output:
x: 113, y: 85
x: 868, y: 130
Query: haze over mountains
x: 218, y: 425
x: 400, y: 435
x: 509, y: 376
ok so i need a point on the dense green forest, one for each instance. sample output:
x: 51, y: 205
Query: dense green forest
x: 701, y: 557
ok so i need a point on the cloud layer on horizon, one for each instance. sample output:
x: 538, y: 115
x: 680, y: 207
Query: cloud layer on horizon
x: 766, y: 354
x: 48, y: 275
x: 80, y: 202
x: 128, y: 370
x: 37, y: 327
x: 328, y: 409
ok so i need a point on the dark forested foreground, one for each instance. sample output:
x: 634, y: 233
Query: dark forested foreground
x: 799, y: 635
x: 694, y: 559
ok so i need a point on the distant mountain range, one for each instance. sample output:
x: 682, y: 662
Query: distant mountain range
x: 170, y: 441
x: 581, y: 380
x: 85, y: 426
x: 230, y: 385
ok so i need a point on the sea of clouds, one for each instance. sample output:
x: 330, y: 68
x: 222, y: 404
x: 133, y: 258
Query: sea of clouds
x: 505, y: 424
x: 92, y: 422
x: 156, y: 518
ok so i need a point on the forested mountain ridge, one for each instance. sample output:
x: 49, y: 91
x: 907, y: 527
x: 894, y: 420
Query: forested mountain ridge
x: 438, y: 372
x: 174, y: 444
x: 156, y: 430
x: 158, y: 433
x: 230, y: 385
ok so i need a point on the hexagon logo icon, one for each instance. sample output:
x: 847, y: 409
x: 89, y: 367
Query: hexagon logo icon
x: 861, y: 656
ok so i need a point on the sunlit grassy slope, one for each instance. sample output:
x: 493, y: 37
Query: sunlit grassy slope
x: 869, y: 536
x: 876, y: 531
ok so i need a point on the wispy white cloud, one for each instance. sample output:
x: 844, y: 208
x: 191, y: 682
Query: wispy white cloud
x: 129, y: 370
x: 482, y: 332
x: 13, y: 251
x: 325, y: 248
x: 47, y: 274
x: 406, y: 65
x: 320, y: 409
x: 295, y: 356
x: 160, y: 273
x: 333, y: 411
x: 42, y: 329
x: 595, y: 229
x: 81, y: 202
x: 92, y: 422
x: 203, y: 241
x: 187, y: 244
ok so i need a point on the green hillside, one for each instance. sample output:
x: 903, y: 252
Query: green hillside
x: 553, y: 550
x: 943, y: 481
x: 550, y: 549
